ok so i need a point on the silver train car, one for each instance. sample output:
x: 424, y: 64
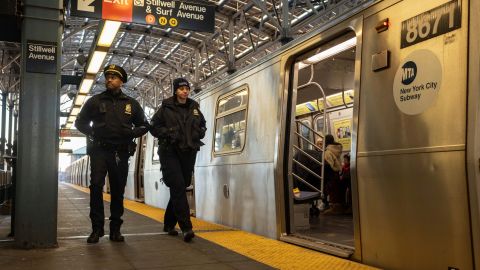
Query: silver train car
x: 396, y: 83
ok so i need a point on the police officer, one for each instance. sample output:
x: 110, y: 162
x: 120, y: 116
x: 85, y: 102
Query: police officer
x: 179, y: 125
x: 116, y: 120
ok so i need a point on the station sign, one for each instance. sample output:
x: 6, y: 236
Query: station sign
x: 175, y: 14
x: 41, y: 57
x: 432, y: 23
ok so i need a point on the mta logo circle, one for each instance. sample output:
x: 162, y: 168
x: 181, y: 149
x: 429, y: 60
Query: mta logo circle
x: 409, y: 72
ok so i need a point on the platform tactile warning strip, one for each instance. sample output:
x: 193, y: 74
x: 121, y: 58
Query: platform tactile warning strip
x: 271, y: 252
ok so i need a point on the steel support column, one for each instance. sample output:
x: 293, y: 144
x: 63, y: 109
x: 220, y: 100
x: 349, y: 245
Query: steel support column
x: 10, y: 123
x: 231, y: 47
x: 4, y: 126
x: 15, y: 123
x: 286, y: 29
x: 37, y: 165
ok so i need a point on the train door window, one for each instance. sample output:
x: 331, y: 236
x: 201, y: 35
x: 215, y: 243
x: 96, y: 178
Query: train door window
x: 324, y: 79
x: 320, y: 126
x: 231, y: 121
x: 306, y: 133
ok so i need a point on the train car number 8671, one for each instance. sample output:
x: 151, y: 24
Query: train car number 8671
x: 432, y: 23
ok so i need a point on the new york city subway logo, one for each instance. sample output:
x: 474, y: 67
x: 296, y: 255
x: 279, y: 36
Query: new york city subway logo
x: 409, y: 72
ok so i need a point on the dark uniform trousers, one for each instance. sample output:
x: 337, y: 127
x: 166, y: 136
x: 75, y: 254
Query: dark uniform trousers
x: 115, y: 162
x: 177, y: 169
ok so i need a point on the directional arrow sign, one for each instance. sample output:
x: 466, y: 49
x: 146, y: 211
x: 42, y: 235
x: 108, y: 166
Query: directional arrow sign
x: 84, y: 5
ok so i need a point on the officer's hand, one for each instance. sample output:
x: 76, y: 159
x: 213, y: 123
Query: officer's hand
x: 173, y: 134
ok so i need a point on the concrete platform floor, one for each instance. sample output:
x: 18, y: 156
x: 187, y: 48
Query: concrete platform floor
x: 146, y: 245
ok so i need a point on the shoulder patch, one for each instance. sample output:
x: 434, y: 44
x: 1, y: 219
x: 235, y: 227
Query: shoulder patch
x: 128, y: 108
x: 195, y: 112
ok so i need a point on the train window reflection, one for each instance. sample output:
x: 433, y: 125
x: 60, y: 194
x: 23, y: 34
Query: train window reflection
x: 230, y: 122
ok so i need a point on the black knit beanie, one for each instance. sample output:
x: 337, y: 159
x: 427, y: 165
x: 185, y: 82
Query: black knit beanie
x: 178, y: 82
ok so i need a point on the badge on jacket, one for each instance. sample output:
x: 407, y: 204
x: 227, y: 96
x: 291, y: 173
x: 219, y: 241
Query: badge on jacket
x: 195, y: 112
x: 128, y: 109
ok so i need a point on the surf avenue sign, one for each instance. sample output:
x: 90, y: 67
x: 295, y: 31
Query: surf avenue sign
x: 175, y: 14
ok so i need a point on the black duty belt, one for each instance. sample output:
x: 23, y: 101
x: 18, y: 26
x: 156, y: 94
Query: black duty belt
x: 110, y: 146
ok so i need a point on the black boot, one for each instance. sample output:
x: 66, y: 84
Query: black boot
x: 95, y: 236
x: 116, y: 236
x: 188, y: 235
x: 170, y: 231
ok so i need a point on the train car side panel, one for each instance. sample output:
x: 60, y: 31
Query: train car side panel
x: 411, y: 159
x: 247, y: 177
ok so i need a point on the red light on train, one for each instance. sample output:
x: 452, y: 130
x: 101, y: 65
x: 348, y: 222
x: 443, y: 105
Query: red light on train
x: 382, y: 26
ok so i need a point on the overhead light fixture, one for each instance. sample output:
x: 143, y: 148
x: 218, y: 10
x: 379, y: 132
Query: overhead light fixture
x: 348, y: 44
x: 85, y: 86
x: 109, y: 31
x: 71, y: 119
x: 75, y: 111
x: 79, y: 100
x: 96, y: 62
x: 68, y: 125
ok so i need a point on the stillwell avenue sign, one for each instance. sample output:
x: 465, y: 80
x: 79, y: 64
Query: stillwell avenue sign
x: 175, y: 14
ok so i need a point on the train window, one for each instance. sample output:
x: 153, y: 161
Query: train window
x: 320, y: 127
x: 155, y: 157
x: 306, y: 133
x: 230, y: 122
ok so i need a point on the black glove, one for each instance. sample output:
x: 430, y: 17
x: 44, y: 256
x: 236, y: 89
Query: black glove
x: 172, y: 134
x: 132, y: 147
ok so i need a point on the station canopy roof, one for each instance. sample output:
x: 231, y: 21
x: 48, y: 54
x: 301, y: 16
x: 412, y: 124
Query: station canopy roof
x: 245, y: 31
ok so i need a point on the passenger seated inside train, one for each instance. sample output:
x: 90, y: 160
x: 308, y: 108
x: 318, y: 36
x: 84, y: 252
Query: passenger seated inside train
x: 346, y: 184
x: 333, y: 192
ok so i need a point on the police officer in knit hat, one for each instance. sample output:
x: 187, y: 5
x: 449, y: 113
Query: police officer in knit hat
x: 111, y: 120
x: 179, y: 126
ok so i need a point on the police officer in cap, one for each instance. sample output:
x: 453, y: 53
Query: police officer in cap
x: 179, y: 125
x: 111, y: 120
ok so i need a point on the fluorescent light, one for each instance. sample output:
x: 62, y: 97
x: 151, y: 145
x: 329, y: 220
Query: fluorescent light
x: 68, y: 126
x: 75, y: 111
x: 96, y: 62
x: 329, y: 52
x: 71, y: 119
x: 109, y: 31
x: 79, y: 100
x: 85, y: 86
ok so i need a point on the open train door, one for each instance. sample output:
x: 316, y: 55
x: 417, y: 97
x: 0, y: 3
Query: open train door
x: 319, y: 214
x: 139, y: 168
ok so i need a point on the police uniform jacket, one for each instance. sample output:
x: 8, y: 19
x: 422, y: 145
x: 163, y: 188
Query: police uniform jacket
x: 117, y: 119
x: 181, y: 126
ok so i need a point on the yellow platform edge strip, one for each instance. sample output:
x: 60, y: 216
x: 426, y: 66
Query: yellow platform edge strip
x: 268, y: 251
x: 156, y: 213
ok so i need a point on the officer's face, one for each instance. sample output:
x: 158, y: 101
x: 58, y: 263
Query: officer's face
x: 183, y: 92
x: 113, y: 82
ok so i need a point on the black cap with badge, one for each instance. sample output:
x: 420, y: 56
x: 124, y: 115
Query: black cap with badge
x: 116, y: 70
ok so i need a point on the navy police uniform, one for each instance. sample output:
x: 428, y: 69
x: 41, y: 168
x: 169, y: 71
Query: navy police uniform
x: 116, y: 120
x: 179, y: 128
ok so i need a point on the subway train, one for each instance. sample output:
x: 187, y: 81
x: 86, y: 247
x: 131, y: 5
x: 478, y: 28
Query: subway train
x: 396, y: 83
